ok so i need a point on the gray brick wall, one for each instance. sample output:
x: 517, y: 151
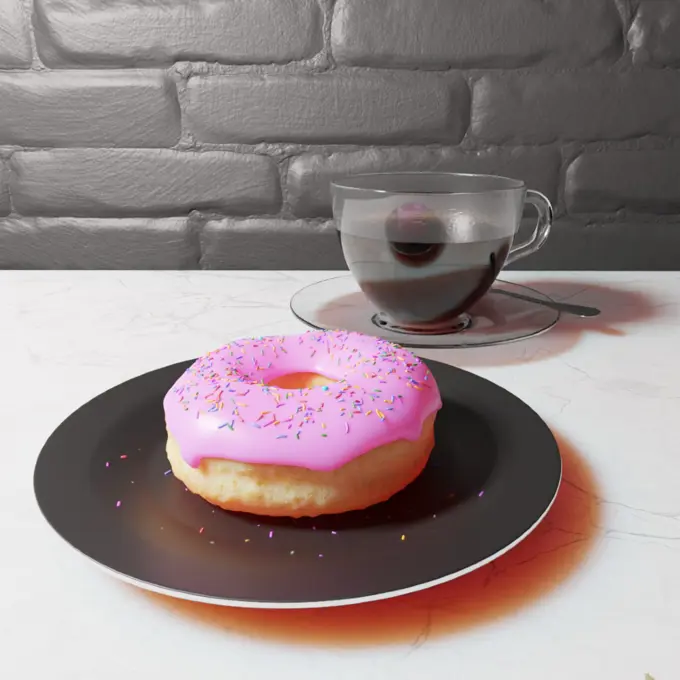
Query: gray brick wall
x: 196, y: 134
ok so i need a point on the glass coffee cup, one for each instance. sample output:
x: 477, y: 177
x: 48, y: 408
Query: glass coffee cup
x: 425, y: 246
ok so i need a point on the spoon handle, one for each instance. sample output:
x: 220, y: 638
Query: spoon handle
x: 566, y: 307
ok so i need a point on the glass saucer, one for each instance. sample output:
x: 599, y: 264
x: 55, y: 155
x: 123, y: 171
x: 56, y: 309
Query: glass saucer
x: 498, y: 318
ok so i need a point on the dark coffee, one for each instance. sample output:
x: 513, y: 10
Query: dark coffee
x: 424, y: 282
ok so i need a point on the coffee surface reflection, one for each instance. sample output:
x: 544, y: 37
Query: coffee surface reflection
x: 419, y: 272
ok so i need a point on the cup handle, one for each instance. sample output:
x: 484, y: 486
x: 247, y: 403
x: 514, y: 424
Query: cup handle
x: 542, y: 230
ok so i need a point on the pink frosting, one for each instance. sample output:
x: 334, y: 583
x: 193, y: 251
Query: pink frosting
x: 221, y: 407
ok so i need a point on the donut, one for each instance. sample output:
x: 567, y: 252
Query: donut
x: 304, y: 425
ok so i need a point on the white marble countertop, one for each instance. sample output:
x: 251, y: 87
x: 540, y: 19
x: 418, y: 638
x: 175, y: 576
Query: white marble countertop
x: 593, y: 594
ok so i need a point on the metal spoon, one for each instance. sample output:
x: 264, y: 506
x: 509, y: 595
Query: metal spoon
x: 566, y: 307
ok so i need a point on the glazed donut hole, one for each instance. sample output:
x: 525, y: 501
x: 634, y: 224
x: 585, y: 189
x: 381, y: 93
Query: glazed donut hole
x: 300, y: 381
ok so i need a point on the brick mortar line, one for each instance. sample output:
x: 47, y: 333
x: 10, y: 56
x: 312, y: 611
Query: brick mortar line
x: 36, y: 63
x: 293, y: 150
x: 199, y: 219
x: 192, y: 69
x: 280, y: 152
x: 328, y: 8
x: 293, y: 68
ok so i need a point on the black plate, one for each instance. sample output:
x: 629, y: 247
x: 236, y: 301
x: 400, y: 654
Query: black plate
x: 102, y: 482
